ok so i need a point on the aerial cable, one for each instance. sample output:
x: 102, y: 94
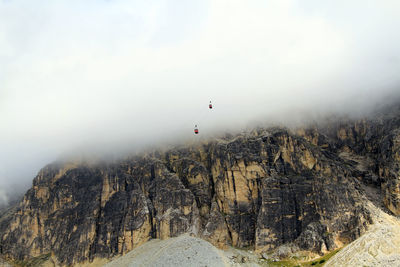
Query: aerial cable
x: 202, y: 115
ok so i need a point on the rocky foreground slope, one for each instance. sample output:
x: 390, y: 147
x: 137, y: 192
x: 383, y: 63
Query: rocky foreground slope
x: 379, y: 246
x: 179, y: 251
x: 259, y: 190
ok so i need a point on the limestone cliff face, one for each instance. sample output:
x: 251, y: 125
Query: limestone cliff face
x: 373, y: 144
x: 79, y: 212
x: 261, y: 189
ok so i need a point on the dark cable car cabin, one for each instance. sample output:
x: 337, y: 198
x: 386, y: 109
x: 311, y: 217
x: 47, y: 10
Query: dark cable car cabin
x: 210, y: 105
x: 196, y: 130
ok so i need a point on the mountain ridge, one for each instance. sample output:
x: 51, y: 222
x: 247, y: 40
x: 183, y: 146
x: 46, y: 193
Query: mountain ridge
x: 262, y: 189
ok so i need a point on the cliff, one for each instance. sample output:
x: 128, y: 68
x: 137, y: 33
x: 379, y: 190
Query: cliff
x: 262, y: 189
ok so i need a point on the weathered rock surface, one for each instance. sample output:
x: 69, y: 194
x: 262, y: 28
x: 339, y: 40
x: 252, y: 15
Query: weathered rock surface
x: 4, y: 263
x: 379, y: 246
x: 261, y: 190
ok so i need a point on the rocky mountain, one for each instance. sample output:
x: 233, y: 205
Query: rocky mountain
x: 303, y: 188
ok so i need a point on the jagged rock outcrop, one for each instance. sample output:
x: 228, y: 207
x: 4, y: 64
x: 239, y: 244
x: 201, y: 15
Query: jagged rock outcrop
x: 261, y: 189
x: 374, y: 145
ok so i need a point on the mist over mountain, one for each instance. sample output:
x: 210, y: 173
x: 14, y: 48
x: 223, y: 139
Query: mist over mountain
x: 113, y: 77
x: 298, y: 158
x: 276, y: 192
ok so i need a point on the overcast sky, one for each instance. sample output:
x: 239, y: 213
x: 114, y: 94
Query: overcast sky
x: 79, y: 74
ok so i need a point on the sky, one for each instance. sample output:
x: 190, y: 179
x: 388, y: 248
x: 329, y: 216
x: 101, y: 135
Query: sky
x: 105, y: 75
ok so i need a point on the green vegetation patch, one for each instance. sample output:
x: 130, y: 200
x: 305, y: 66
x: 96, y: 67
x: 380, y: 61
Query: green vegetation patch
x: 33, y: 262
x: 296, y: 263
x: 284, y: 263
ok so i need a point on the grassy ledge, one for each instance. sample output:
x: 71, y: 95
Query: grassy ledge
x: 33, y: 262
x: 294, y: 263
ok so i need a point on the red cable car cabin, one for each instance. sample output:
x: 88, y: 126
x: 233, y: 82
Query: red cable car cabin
x: 196, y: 131
x: 210, y: 106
